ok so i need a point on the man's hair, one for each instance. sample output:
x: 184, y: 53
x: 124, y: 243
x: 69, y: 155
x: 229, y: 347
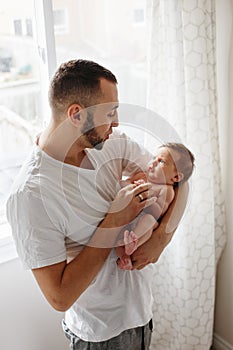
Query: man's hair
x: 185, y: 162
x: 77, y: 81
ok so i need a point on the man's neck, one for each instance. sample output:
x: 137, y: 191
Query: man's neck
x: 59, y: 140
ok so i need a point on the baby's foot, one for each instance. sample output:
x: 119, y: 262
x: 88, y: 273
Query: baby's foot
x: 131, y: 241
x: 124, y: 263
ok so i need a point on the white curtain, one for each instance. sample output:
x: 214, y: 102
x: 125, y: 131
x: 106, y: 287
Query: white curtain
x: 182, y: 89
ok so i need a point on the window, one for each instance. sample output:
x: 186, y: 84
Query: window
x: 60, y: 20
x: 23, y: 27
x: 20, y: 100
x: 139, y: 16
x: 99, y: 30
x: 28, y: 24
x: 103, y: 31
x: 18, y: 27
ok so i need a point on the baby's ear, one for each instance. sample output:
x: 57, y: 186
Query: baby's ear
x: 179, y: 177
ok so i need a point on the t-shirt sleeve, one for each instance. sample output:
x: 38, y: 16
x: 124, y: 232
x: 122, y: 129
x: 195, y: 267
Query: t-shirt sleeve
x: 37, y: 234
x: 135, y: 156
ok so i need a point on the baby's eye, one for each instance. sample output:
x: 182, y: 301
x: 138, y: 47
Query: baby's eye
x: 161, y: 161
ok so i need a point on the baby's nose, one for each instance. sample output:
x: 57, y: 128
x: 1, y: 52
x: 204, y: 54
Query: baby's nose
x: 151, y: 166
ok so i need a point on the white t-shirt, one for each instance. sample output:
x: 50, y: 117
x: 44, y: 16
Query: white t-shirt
x: 54, y: 209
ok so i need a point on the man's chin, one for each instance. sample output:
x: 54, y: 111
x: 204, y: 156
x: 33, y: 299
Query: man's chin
x: 99, y: 146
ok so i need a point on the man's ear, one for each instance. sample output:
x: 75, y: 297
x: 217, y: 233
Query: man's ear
x: 179, y: 177
x: 74, y: 114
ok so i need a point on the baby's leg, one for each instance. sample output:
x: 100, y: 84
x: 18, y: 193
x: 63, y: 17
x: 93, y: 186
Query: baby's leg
x: 142, y: 232
x: 123, y: 261
x: 134, y: 239
x: 131, y: 242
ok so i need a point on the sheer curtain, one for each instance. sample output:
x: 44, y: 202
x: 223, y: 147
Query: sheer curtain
x: 182, y: 89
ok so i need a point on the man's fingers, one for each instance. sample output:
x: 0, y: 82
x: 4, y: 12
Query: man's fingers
x: 138, y: 266
x: 147, y: 202
x: 141, y: 267
x: 141, y: 188
x: 143, y: 193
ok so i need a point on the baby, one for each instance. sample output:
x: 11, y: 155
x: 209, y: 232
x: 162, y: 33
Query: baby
x: 172, y: 164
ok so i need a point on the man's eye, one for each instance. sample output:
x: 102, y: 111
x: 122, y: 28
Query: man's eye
x: 112, y: 113
x: 161, y: 161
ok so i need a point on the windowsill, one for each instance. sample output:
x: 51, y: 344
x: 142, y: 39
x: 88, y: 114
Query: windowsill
x: 7, y: 247
x: 19, y: 82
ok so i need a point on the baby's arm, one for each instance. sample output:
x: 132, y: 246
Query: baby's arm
x: 136, y: 178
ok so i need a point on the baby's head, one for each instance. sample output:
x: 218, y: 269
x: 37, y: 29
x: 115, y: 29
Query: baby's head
x: 172, y: 164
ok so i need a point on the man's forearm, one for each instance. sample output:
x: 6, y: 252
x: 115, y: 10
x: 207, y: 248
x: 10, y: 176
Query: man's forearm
x: 172, y: 216
x: 63, y: 283
x: 176, y: 210
x: 155, y: 210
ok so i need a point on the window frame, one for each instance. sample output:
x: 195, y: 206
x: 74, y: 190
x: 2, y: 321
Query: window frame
x: 45, y: 42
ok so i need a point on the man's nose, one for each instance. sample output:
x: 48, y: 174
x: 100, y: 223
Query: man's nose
x: 115, y: 121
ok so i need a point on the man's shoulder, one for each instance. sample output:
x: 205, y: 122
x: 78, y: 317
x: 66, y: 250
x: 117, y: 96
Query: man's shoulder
x: 129, y: 141
x: 27, y: 181
x: 113, y: 148
x: 118, y: 137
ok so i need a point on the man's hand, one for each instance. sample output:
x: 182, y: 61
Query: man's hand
x: 150, y: 251
x: 129, y: 202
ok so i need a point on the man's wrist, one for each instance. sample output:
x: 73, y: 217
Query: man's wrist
x: 110, y: 221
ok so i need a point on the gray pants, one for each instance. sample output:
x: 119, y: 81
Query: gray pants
x: 131, y: 339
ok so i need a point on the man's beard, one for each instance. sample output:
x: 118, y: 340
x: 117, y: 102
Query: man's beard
x: 94, y: 139
x: 91, y: 134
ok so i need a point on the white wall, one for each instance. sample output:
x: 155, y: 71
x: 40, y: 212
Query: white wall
x: 27, y: 322
x: 224, y: 293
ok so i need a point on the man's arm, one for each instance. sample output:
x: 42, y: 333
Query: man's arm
x: 63, y: 283
x: 151, y: 250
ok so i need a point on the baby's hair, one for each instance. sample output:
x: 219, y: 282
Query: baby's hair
x: 184, y: 163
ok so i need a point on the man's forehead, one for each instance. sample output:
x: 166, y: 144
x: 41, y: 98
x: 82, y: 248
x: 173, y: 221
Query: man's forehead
x: 109, y: 91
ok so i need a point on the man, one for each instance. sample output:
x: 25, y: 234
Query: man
x: 68, y: 187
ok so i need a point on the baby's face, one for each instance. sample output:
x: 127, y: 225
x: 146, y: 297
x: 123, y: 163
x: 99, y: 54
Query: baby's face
x: 161, y: 169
